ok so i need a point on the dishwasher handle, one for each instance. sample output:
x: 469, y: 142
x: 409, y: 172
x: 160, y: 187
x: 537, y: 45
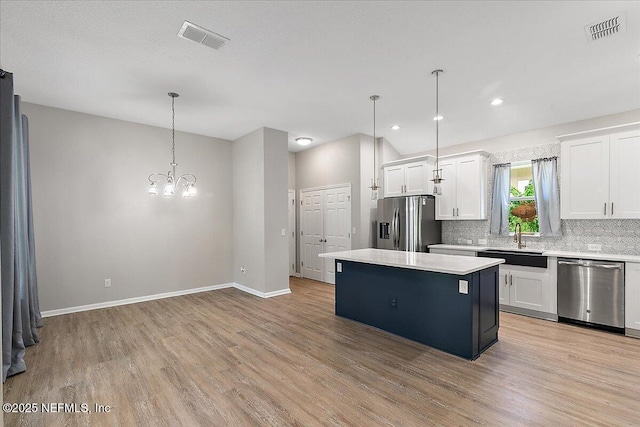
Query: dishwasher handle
x: 582, y: 264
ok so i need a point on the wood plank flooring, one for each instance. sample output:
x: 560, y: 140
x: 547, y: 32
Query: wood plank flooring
x: 228, y: 358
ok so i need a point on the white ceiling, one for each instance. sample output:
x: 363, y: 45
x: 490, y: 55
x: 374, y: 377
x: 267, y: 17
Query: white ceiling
x: 309, y: 67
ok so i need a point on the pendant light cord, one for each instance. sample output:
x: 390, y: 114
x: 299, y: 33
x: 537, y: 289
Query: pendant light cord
x: 173, y: 129
x: 374, y: 141
x: 437, y: 121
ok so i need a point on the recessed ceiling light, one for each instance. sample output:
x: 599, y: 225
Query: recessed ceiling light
x: 304, y: 140
x: 496, y: 101
x: 438, y: 118
x: 395, y: 127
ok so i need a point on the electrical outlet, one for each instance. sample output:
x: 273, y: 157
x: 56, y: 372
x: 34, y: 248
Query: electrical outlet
x: 107, y: 283
x: 242, y: 270
x: 461, y: 240
x: 339, y: 267
x: 482, y: 241
x: 283, y: 232
x: 463, y: 286
x: 594, y: 247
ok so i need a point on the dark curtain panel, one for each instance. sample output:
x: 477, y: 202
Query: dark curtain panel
x: 20, y: 309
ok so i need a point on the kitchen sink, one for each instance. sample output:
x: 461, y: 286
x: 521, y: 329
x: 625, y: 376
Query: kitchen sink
x: 521, y: 257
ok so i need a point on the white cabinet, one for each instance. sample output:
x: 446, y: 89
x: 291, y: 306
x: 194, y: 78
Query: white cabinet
x: 407, y: 177
x: 525, y: 287
x: 464, y: 187
x: 599, y: 175
x: 632, y: 298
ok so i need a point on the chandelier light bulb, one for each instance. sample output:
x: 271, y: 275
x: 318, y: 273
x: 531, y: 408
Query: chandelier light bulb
x: 153, y: 189
x: 192, y: 190
x: 168, y: 189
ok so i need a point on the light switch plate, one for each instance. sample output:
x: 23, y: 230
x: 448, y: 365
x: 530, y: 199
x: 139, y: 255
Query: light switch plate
x: 339, y: 267
x: 482, y: 241
x: 463, y: 286
x: 353, y: 231
x: 594, y: 247
x: 283, y: 232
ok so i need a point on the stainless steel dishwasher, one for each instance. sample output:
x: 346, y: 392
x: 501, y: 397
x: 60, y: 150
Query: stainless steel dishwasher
x: 591, y: 292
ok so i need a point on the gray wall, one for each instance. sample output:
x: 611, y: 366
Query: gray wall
x: 260, y: 210
x: 94, y: 220
x: 292, y: 171
x: 248, y: 210
x: 335, y: 162
x: 276, y: 210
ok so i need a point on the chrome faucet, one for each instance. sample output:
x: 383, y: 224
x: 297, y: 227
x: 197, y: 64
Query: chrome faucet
x: 517, y: 237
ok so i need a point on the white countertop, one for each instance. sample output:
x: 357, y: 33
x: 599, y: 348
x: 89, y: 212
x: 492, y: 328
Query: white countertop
x: 550, y: 253
x: 450, y: 264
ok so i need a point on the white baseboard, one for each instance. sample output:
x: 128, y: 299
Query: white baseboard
x: 295, y: 275
x: 107, y: 304
x: 262, y: 294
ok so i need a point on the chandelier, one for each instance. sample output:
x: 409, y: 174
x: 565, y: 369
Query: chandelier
x: 188, y: 181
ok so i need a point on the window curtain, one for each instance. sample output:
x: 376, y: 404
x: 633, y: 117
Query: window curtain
x: 545, y: 180
x: 500, y: 201
x: 20, y: 307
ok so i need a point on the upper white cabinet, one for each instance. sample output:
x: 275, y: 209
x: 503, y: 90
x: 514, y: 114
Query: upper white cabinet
x: 408, y: 177
x: 464, y: 188
x: 599, y: 176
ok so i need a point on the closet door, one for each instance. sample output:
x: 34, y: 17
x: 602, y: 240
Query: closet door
x: 311, y: 225
x: 337, y: 226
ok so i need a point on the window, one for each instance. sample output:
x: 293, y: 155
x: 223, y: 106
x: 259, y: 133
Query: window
x: 522, y: 196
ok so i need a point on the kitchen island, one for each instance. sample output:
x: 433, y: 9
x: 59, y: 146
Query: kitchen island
x: 444, y: 301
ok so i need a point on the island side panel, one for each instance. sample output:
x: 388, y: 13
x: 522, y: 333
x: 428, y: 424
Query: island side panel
x: 488, y: 316
x: 420, y: 305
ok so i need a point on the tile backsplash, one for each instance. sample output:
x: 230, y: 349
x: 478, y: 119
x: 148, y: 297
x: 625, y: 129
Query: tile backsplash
x: 620, y: 236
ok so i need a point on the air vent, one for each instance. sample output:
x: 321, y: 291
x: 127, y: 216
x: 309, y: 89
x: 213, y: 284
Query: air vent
x: 201, y: 35
x: 606, y: 28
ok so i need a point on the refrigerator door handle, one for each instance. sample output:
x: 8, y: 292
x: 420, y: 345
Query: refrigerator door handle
x: 393, y: 228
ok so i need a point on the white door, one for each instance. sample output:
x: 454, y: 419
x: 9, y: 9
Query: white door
x: 624, y: 149
x: 468, y: 195
x: 311, y: 226
x: 446, y: 204
x: 416, y: 178
x: 503, y: 286
x: 393, y: 181
x: 529, y: 289
x: 292, y: 233
x: 585, y: 178
x: 337, y: 225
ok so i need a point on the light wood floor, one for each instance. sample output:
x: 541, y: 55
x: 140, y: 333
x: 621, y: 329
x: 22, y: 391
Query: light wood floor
x: 228, y: 358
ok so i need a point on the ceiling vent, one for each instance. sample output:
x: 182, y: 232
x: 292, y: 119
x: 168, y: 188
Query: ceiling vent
x: 608, y: 27
x: 201, y: 35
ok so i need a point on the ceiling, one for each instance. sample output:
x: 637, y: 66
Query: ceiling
x: 309, y: 67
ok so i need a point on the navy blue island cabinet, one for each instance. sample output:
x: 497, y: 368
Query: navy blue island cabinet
x: 444, y: 301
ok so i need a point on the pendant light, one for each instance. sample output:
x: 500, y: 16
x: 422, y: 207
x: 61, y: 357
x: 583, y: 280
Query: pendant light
x: 437, y: 172
x: 374, y: 181
x: 171, y: 184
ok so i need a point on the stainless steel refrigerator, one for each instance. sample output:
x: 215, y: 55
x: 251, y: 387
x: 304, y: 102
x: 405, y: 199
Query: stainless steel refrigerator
x: 408, y: 223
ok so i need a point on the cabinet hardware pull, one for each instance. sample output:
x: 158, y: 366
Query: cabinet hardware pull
x: 605, y: 208
x: 457, y: 212
x: 611, y: 208
x: 510, y: 280
x: 453, y: 211
x: 505, y: 279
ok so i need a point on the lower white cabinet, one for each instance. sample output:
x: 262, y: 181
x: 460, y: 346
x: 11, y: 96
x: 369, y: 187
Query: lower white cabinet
x: 632, y: 298
x: 525, y: 287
